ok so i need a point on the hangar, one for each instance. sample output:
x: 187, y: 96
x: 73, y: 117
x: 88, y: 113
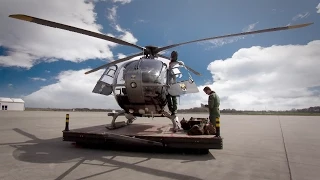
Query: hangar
x: 11, y: 104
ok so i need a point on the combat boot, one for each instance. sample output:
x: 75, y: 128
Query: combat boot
x: 209, y: 129
x: 185, y: 125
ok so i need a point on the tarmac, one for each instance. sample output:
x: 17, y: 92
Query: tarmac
x: 254, y: 147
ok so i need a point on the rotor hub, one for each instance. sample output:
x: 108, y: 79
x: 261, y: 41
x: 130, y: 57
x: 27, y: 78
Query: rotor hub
x: 151, y: 50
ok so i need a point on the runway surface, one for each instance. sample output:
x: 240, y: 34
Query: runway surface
x: 255, y: 147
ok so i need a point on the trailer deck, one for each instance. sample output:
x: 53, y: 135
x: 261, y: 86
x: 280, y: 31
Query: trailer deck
x: 144, y: 134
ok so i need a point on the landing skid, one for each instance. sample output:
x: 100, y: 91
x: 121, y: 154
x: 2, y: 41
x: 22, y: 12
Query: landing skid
x: 114, y: 125
x: 131, y: 118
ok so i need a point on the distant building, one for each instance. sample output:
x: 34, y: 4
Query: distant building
x: 11, y: 104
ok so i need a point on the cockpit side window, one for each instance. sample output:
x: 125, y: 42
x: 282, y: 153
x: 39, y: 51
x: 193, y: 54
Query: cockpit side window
x: 163, y: 74
x: 121, y: 78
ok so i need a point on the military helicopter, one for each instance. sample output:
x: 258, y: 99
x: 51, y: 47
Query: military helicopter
x: 140, y: 86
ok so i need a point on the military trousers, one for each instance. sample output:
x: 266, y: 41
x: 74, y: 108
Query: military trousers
x: 172, y: 103
x: 214, y: 117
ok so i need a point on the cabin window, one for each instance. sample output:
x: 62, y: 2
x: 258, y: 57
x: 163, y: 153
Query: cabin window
x: 108, y: 75
x: 111, y: 71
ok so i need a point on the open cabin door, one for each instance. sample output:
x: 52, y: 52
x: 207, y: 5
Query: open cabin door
x: 104, y: 85
x: 179, y: 84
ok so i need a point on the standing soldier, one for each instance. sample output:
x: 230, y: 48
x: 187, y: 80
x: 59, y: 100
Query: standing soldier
x: 172, y: 100
x: 214, y: 111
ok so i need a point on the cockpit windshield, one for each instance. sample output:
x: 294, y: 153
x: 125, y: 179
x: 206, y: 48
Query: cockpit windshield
x: 152, y: 71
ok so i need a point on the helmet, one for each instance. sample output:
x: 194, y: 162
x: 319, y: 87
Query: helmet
x: 174, y: 56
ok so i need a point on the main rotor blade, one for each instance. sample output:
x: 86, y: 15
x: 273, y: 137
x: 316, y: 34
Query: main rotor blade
x: 114, y: 62
x: 189, y: 68
x: 71, y: 28
x: 238, y: 34
x: 192, y: 70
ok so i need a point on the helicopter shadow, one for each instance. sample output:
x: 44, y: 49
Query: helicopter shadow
x: 56, y: 151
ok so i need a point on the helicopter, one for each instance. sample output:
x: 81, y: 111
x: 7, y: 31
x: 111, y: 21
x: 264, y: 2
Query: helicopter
x: 140, y: 86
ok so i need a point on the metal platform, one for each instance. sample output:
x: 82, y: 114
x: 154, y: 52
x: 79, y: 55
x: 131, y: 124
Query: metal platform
x: 142, y: 134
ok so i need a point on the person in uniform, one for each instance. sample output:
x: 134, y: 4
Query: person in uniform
x: 214, y: 111
x: 172, y: 100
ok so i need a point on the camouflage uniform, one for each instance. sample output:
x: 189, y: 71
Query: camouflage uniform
x: 172, y: 100
x: 214, y: 111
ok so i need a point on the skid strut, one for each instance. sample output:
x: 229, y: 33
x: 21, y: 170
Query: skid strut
x: 131, y: 118
x: 114, y: 125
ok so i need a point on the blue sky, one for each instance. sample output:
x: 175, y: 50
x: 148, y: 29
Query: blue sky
x: 161, y: 23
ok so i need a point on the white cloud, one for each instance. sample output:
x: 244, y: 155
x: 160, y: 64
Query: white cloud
x: 141, y: 21
x: 318, y: 7
x: 122, y: 1
x: 120, y: 56
x: 112, y: 14
x: 73, y: 90
x: 126, y: 35
x: 277, y: 10
x: 300, y: 16
x: 220, y: 42
x: 276, y: 77
x: 115, y: 1
x: 30, y: 43
x: 250, y: 27
x: 38, y: 79
x: 273, y: 78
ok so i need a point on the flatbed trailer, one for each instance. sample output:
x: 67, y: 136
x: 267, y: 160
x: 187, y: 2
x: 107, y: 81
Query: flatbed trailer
x: 150, y: 134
